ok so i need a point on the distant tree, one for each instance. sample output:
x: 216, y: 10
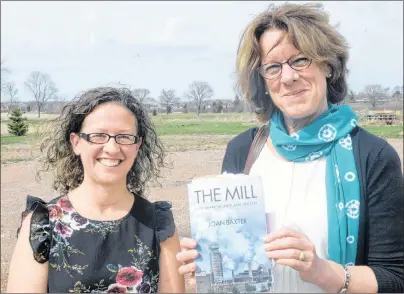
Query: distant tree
x: 198, y: 93
x: 168, y: 100
x: 11, y: 91
x: 238, y: 105
x: 185, y: 108
x: 4, y: 72
x: 396, y: 89
x: 351, y: 96
x: 42, y: 88
x: 217, y: 106
x: 17, y: 125
x: 141, y: 94
x: 375, y: 93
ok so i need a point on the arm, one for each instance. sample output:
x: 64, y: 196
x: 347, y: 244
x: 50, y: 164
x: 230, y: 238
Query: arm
x: 26, y: 275
x: 170, y: 279
x: 384, y: 271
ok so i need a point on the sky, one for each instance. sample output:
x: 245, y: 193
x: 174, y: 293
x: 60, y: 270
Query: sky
x: 168, y: 45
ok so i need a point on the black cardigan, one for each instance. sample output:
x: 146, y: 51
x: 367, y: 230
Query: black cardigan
x: 381, y: 220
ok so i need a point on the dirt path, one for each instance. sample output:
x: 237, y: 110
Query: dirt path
x: 18, y: 180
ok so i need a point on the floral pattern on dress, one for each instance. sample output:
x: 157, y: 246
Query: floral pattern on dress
x: 57, y: 233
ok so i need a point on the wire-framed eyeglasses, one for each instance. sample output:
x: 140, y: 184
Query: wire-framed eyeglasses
x: 103, y: 138
x: 273, y: 70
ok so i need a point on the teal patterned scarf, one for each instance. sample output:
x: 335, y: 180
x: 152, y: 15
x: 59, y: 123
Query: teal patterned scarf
x: 329, y: 136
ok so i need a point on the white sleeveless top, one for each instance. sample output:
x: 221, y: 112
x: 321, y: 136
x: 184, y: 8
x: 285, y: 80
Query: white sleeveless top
x: 295, y: 197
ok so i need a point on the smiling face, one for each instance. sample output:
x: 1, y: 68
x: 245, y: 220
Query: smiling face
x: 109, y: 163
x: 298, y: 94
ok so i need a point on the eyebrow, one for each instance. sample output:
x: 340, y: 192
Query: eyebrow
x: 119, y: 132
x: 273, y: 61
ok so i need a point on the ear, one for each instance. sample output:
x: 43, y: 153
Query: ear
x: 74, y: 140
x: 139, y: 143
x: 329, y: 72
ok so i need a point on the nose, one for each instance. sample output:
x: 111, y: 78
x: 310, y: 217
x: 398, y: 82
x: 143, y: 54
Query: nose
x: 288, y: 75
x: 111, y: 146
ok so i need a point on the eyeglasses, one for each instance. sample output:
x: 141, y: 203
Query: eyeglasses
x: 273, y: 70
x: 102, y: 138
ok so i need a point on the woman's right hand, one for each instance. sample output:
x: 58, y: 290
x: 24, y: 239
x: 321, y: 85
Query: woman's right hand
x: 187, y: 258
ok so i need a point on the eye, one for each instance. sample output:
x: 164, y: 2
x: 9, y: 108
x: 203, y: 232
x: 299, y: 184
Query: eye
x: 272, y: 68
x: 301, y: 62
x: 98, y: 136
x: 126, y: 139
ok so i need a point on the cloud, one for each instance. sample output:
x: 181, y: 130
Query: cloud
x: 82, y: 44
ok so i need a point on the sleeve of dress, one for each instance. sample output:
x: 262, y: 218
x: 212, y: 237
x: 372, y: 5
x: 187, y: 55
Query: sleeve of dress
x: 39, y: 236
x: 165, y: 226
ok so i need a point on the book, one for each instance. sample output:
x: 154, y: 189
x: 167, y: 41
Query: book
x: 227, y: 216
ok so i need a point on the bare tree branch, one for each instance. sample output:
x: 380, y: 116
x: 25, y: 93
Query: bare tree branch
x: 11, y: 91
x: 198, y: 93
x: 141, y: 94
x: 376, y: 94
x: 168, y: 100
x: 42, y: 88
x: 4, y: 71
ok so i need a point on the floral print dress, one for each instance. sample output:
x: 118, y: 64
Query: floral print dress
x: 85, y: 255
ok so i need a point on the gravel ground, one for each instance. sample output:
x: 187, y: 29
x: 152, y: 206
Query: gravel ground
x: 18, y: 180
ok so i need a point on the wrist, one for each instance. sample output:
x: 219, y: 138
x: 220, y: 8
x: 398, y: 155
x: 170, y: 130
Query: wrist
x: 332, y: 278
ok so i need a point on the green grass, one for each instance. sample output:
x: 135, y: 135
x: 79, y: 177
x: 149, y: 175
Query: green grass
x: 204, y: 127
x: 386, y: 132
x: 191, y: 124
x: 8, y: 140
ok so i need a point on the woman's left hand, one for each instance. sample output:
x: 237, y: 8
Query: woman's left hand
x: 291, y: 248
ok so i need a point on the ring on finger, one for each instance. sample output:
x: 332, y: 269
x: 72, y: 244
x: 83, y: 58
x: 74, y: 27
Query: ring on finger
x: 302, y: 256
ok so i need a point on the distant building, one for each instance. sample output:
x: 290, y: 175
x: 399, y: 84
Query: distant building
x: 216, y: 263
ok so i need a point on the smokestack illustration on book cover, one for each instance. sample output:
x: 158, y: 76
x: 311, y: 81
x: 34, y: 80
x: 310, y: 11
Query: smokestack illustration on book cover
x: 227, y: 214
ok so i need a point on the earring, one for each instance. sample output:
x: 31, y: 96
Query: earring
x: 329, y: 75
x: 266, y: 93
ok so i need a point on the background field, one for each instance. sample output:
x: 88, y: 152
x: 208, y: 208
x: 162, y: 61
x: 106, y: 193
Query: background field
x: 195, y: 148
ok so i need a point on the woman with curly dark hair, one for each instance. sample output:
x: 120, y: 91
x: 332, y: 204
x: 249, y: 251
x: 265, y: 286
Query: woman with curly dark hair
x: 101, y: 234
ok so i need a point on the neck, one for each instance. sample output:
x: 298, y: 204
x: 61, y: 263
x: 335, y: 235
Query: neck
x: 102, y: 197
x: 293, y: 125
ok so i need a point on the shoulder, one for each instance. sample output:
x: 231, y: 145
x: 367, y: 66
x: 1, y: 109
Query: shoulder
x: 156, y: 215
x: 372, y: 149
x: 243, y: 140
x: 35, y: 220
x: 237, y: 151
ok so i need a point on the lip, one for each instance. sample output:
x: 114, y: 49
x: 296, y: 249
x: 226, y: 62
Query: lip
x: 119, y: 162
x: 109, y: 158
x: 294, y: 93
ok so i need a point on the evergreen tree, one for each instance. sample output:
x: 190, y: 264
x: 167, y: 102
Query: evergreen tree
x: 18, y: 125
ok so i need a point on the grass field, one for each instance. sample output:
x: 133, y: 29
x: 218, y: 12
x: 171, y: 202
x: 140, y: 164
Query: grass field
x: 191, y: 124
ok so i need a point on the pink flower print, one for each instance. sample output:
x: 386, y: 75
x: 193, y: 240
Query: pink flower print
x: 77, y: 221
x: 129, y: 276
x: 55, y: 212
x: 65, y: 204
x: 63, y: 230
x: 116, y: 288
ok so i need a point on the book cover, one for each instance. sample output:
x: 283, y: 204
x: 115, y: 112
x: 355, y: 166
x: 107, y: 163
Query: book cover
x: 227, y: 216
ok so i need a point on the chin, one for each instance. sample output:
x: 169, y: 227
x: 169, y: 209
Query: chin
x: 109, y: 180
x: 298, y: 112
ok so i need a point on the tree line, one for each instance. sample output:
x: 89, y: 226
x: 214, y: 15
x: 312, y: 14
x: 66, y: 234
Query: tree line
x: 198, y: 95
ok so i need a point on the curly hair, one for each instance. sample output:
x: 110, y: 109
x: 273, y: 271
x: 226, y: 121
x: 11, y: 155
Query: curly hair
x: 307, y: 26
x: 58, y: 155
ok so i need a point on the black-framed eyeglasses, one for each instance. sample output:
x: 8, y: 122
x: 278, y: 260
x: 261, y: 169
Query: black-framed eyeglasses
x: 273, y: 70
x: 103, y: 138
